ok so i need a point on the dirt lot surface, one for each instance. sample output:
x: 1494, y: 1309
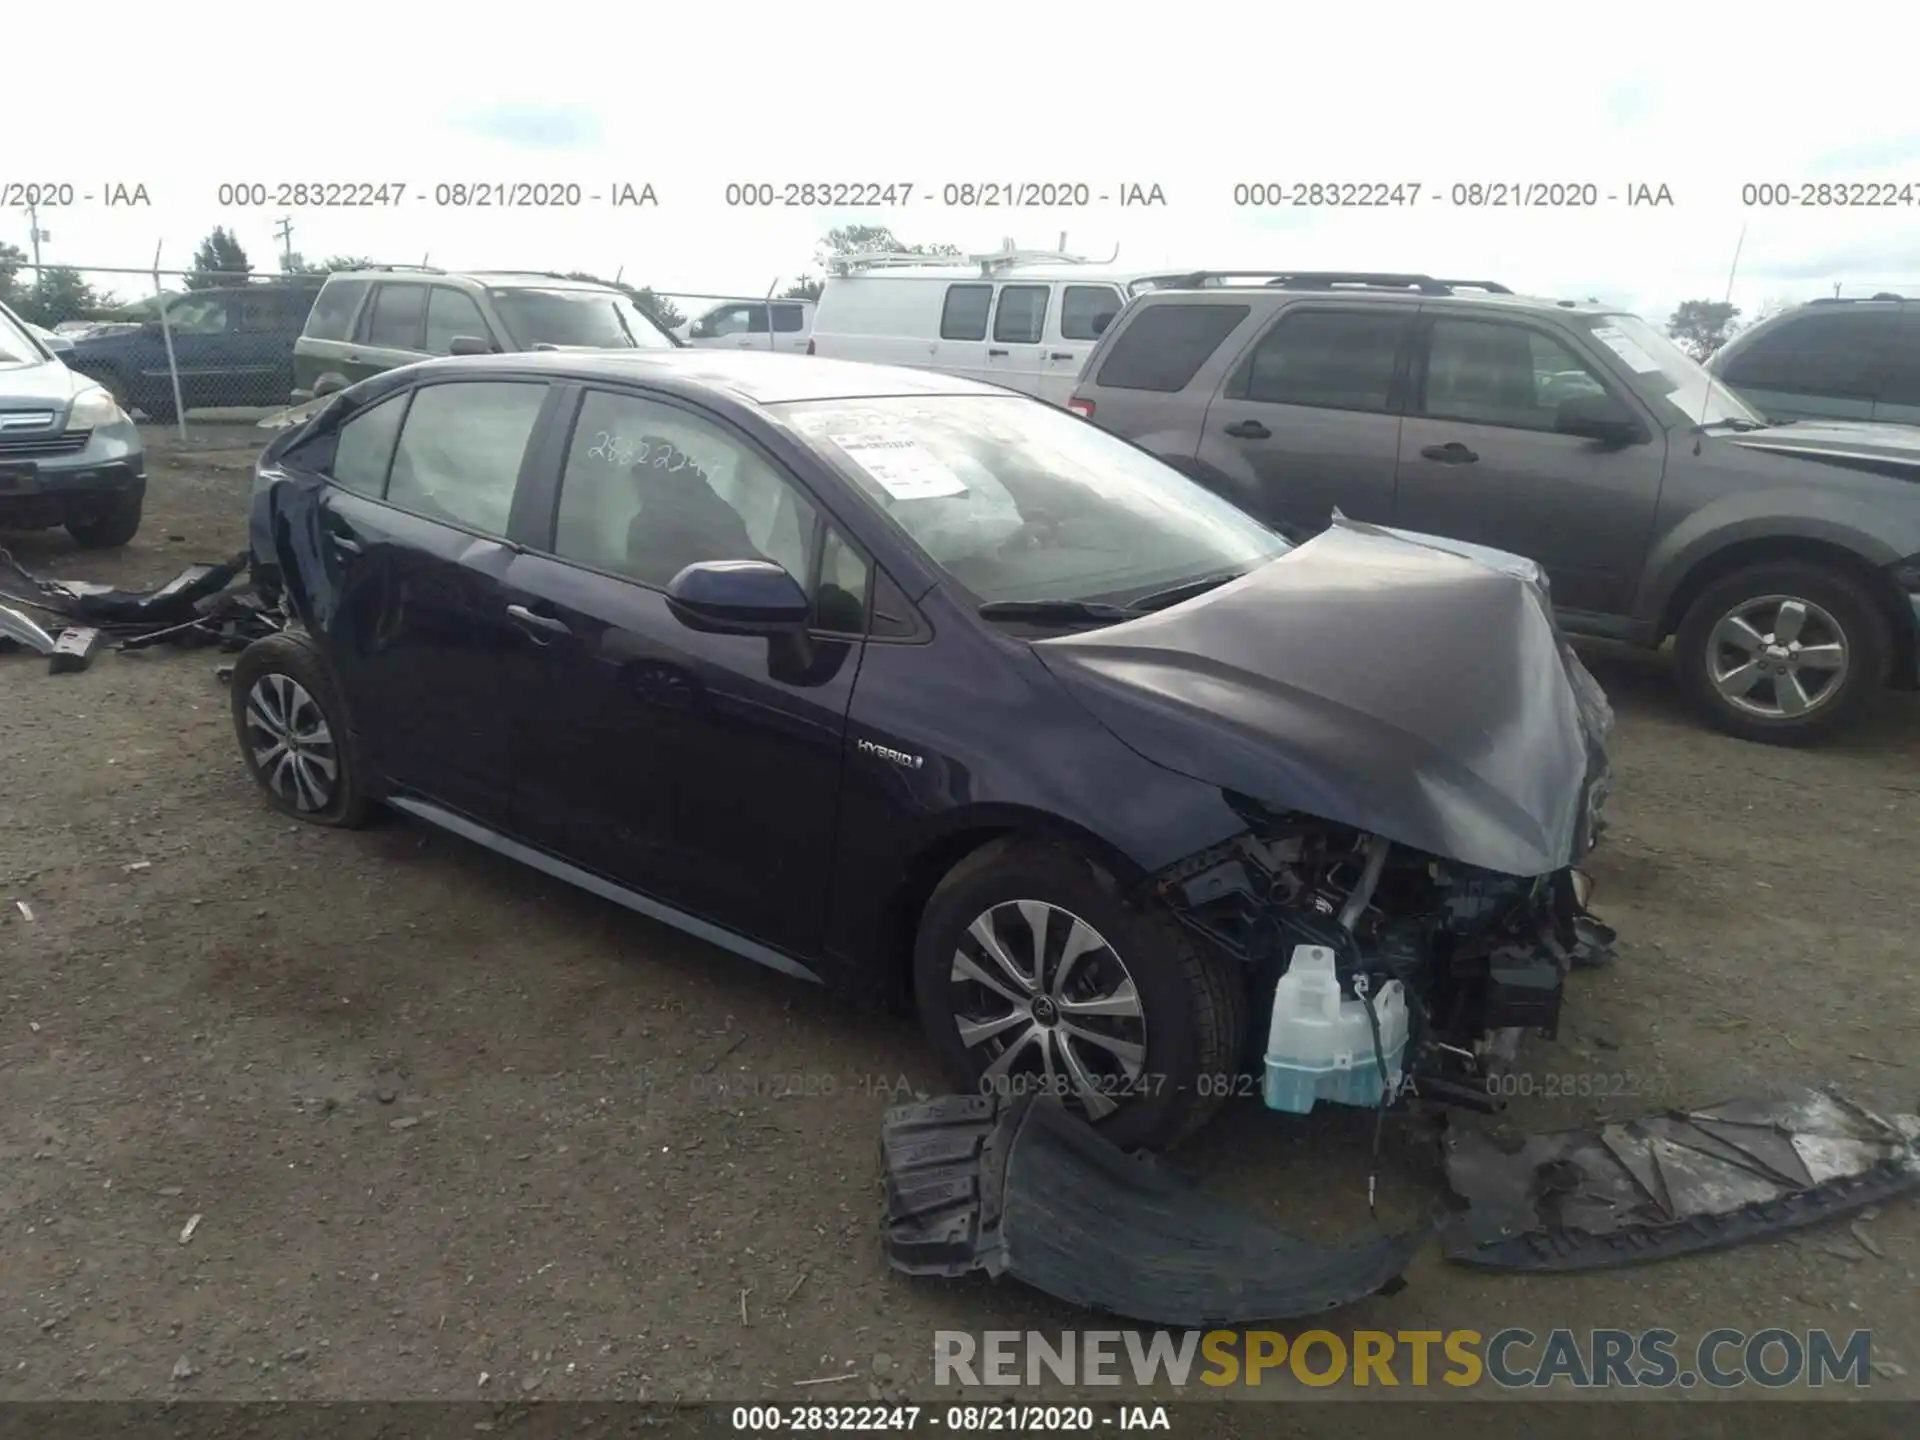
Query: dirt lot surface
x: 453, y: 1129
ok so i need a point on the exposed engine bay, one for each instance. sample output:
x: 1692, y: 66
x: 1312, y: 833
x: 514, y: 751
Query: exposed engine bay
x: 1481, y: 957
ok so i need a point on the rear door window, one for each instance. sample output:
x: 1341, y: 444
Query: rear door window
x: 1900, y: 377
x: 1328, y: 359
x: 789, y: 319
x: 1087, y: 310
x: 363, y: 449
x: 397, y: 317
x: 460, y: 451
x: 964, y: 315
x: 1165, y: 346
x: 1021, y: 318
x: 333, y: 312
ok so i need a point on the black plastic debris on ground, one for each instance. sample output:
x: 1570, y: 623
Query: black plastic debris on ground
x: 1023, y: 1188
x: 197, y: 607
x: 1673, y: 1184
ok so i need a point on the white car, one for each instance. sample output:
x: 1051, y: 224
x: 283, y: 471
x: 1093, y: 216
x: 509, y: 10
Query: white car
x: 1025, y: 320
x: 753, y: 325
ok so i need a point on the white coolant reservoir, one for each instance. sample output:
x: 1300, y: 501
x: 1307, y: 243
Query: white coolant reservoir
x: 1320, y: 1045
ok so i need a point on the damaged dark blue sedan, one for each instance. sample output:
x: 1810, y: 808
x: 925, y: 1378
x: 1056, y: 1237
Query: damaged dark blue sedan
x: 932, y: 692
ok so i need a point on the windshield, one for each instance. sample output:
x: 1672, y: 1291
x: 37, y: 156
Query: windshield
x: 1019, y: 501
x: 599, y: 319
x: 16, y: 346
x: 1661, y: 370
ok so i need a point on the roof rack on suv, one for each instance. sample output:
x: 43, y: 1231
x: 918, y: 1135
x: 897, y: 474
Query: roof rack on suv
x: 1860, y: 299
x: 420, y: 269
x: 1331, y: 280
x: 542, y: 274
x: 991, y: 261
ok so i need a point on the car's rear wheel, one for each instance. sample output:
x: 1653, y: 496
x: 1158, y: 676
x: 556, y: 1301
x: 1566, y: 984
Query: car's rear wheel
x: 1033, y: 975
x: 294, y: 735
x: 1784, y: 653
x: 110, y: 527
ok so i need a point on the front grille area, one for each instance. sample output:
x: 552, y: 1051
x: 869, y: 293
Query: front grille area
x: 28, y: 447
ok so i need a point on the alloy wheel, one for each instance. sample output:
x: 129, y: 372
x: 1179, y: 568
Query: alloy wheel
x: 1043, y: 1003
x: 1778, y: 657
x: 293, y: 750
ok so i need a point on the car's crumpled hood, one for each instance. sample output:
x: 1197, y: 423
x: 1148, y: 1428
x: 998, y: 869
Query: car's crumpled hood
x: 1406, y: 685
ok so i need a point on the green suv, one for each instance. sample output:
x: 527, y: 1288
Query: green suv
x: 367, y: 321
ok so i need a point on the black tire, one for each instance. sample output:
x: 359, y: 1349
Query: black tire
x: 110, y: 528
x: 1833, y: 602
x: 270, y: 665
x: 1193, y: 1004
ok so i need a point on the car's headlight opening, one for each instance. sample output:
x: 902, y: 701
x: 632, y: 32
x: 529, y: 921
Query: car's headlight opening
x: 94, y: 408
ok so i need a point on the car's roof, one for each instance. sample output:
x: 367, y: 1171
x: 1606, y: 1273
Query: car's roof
x: 762, y: 378
x: 491, y: 279
x: 1378, y: 293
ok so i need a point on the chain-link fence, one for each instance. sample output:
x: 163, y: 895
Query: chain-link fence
x: 228, y: 346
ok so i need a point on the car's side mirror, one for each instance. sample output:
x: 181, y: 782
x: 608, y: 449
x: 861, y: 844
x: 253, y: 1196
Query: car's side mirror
x: 1598, y: 417
x: 739, y: 597
x: 470, y: 345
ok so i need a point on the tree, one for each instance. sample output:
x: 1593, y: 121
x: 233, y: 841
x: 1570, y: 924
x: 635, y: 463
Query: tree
x: 1703, y: 326
x: 12, y: 257
x: 298, y: 264
x: 218, y: 261
x: 61, y: 293
x: 852, y: 240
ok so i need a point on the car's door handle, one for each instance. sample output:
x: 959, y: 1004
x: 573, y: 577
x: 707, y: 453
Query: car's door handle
x: 1452, y: 453
x: 1061, y: 355
x: 345, y: 545
x: 552, y: 625
x: 1248, y: 430
x: 996, y: 352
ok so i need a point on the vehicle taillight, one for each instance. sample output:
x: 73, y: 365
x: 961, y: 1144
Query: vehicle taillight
x: 1082, y: 408
x: 809, y: 346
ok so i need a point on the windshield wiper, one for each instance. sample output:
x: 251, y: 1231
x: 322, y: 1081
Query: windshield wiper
x: 1056, y: 611
x: 1185, y: 590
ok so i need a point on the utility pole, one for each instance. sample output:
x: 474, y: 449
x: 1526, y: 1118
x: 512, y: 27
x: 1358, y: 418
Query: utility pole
x: 36, y: 235
x: 283, y: 232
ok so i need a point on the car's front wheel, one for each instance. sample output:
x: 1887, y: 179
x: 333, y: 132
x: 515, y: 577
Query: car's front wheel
x: 1033, y: 975
x: 293, y: 732
x: 1784, y: 652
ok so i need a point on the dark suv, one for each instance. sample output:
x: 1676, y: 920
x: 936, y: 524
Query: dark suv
x: 1830, y: 360
x: 1783, y: 559
x: 232, y: 346
x: 369, y: 321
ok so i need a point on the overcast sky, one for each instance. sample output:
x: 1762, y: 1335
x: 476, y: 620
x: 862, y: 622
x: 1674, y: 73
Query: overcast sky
x: 1192, y: 97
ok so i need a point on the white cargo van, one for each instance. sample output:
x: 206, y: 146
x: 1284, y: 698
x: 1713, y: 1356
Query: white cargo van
x: 752, y: 325
x: 1023, y: 319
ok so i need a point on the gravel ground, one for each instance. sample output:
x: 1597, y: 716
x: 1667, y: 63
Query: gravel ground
x: 452, y: 1129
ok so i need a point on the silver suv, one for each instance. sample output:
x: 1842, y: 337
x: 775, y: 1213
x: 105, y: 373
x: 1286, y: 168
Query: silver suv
x: 1784, y: 560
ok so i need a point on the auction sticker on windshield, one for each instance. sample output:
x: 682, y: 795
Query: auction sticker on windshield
x: 1636, y: 358
x: 902, y: 468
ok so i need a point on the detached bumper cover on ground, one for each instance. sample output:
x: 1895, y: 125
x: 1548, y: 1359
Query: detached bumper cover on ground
x: 1022, y: 1188
x: 1673, y: 1184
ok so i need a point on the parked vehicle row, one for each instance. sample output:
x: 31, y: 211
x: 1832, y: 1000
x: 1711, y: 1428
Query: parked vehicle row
x: 69, y: 453
x: 1784, y: 561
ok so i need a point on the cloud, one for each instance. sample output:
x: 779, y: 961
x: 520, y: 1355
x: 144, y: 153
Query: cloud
x: 1871, y: 156
x: 536, y: 126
